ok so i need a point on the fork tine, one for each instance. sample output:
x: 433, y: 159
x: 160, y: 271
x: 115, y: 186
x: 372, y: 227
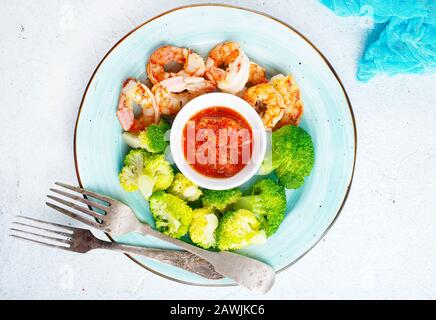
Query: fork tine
x: 48, y: 223
x: 81, y: 199
x: 76, y: 216
x: 86, y: 192
x: 44, y: 229
x: 40, y: 242
x: 41, y: 236
x: 77, y: 207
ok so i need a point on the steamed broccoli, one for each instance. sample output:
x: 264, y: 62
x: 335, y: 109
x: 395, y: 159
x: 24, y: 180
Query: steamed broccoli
x: 146, y: 172
x: 220, y: 199
x: 133, y: 169
x: 202, y: 230
x: 164, y: 125
x: 239, y: 229
x: 184, y: 188
x: 267, y: 200
x: 159, y: 175
x: 171, y: 214
x: 292, y: 155
x: 151, y: 139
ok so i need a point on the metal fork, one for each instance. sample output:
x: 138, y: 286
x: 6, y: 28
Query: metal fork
x: 82, y: 241
x: 119, y: 219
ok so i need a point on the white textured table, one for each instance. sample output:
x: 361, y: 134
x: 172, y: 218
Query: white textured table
x: 382, y: 246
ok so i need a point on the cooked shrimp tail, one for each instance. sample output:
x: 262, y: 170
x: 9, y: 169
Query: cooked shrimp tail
x: 289, y: 90
x: 267, y: 102
x: 257, y: 75
x: 134, y: 93
x: 228, y: 67
x: 192, y: 64
x: 173, y: 93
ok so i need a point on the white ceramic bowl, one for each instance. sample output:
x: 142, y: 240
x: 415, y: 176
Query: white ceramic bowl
x: 223, y: 100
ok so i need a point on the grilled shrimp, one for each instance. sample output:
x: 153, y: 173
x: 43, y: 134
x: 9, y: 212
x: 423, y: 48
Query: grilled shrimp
x: 173, y: 93
x: 290, y: 92
x: 256, y: 76
x: 267, y: 102
x: 193, y: 64
x: 134, y: 93
x: 228, y: 67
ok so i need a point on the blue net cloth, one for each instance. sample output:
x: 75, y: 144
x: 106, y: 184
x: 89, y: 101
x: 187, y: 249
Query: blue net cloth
x: 406, y: 35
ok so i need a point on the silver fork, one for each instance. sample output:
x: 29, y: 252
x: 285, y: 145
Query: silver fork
x: 119, y: 219
x: 82, y: 241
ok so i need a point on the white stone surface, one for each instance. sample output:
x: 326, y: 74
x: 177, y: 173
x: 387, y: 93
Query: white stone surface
x: 382, y: 246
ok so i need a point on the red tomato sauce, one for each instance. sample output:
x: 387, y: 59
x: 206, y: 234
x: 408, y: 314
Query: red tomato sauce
x: 218, y: 142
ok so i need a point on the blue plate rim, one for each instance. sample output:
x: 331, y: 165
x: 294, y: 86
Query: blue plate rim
x: 292, y: 29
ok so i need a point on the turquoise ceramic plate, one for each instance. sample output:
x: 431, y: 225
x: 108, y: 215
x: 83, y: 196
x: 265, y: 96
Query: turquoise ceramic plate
x: 312, y: 209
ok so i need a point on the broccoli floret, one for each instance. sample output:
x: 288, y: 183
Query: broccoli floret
x: 267, y: 200
x: 164, y: 125
x: 293, y: 155
x: 136, y: 158
x: 151, y: 139
x: 158, y: 175
x: 134, y: 164
x: 220, y: 199
x: 171, y: 214
x: 184, y: 188
x: 146, y: 172
x: 239, y: 229
x: 202, y: 230
x: 290, y: 180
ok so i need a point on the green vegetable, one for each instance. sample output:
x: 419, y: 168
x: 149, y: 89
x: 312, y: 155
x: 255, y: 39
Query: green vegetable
x: 184, y: 188
x: 239, y: 229
x: 146, y: 172
x: 202, y: 230
x: 151, y: 139
x: 292, y: 155
x: 171, y: 214
x: 133, y: 169
x: 164, y: 125
x: 267, y: 200
x: 220, y: 199
x: 159, y: 174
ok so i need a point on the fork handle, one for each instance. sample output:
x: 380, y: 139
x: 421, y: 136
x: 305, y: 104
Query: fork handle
x: 181, y: 259
x: 249, y: 273
x: 202, y: 253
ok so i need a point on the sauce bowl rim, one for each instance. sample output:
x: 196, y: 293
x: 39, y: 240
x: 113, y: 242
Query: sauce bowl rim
x: 218, y: 99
